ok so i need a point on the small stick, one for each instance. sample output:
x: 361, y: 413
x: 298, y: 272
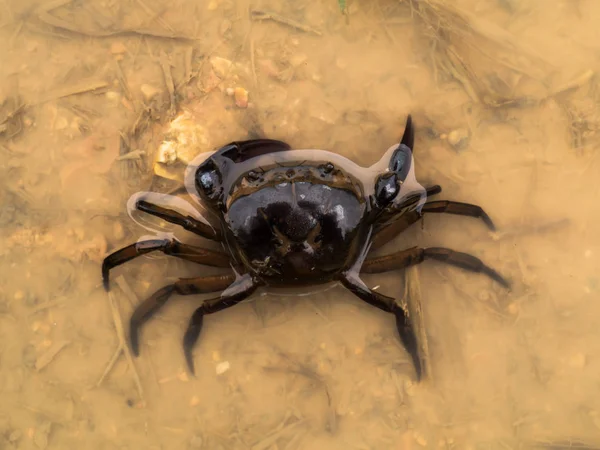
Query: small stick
x: 268, y: 15
x: 47, y: 357
x: 531, y: 229
x: 415, y: 306
x: 273, y: 437
x: 74, y: 89
x: 121, y: 336
x: 135, y: 154
x: 166, y: 68
x: 123, y: 82
x: 152, y: 13
x: 124, y: 285
x: 253, y: 63
x: 189, y: 56
x: 46, y: 305
x: 110, y: 364
x: 43, y: 14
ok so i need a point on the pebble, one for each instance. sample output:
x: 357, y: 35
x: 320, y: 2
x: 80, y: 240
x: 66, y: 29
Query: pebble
x: 578, y: 361
x: 221, y: 66
x: 222, y: 367
x: 196, y: 442
x: 225, y: 26
x: 459, y: 138
x: 241, y: 97
x: 118, y: 231
x: 149, y: 91
x: 118, y: 48
x: 113, y: 97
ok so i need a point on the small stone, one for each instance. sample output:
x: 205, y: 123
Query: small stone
x: 578, y: 361
x: 241, y: 97
x: 118, y: 48
x: 221, y: 66
x: 113, y: 97
x: 459, y: 138
x: 149, y: 92
x: 14, y: 436
x: 167, y: 152
x: 61, y: 123
x: 196, y: 442
x: 230, y: 91
x: 222, y: 367
x: 19, y: 295
x: 298, y: 59
x: 213, y: 5
x: 194, y: 401
x: 225, y: 26
x: 513, y: 309
x: 341, y: 63
x: 118, y: 231
x: 419, y: 439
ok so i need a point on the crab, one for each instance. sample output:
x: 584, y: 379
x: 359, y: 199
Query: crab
x: 291, y: 218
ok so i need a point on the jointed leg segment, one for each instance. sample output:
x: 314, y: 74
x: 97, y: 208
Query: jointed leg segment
x: 388, y: 304
x: 417, y: 255
x: 234, y: 293
x: 167, y: 246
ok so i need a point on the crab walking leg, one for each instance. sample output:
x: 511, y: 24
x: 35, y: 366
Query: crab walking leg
x: 417, y: 255
x: 459, y: 209
x: 393, y: 229
x: 185, y: 286
x: 388, y: 304
x: 189, y: 223
x: 237, y: 292
x: 170, y: 247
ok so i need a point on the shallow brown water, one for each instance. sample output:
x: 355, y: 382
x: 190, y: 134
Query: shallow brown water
x: 323, y: 371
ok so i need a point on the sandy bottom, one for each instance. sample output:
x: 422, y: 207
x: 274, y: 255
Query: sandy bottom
x: 505, y: 99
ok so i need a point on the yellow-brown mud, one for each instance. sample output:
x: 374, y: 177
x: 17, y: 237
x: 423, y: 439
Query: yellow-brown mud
x: 505, y: 96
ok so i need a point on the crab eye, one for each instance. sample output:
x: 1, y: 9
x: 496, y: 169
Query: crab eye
x: 208, y: 178
x: 387, y: 187
x: 401, y: 161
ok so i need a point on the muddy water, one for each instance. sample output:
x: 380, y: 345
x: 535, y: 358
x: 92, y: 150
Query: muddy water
x: 514, y: 130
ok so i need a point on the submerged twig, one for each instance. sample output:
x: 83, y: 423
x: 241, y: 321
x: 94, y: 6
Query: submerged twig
x: 271, y: 439
x: 165, y: 65
x: 43, y: 14
x: 73, y: 89
x: 121, y: 348
x: 268, y: 15
x: 415, y: 306
x: 531, y: 229
x: 566, y: 445
x: 46, y: 358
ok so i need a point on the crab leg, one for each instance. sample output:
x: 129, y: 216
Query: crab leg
x: 184, y: 286
x: 388, y: 304
x: 234, y: 292
x: 237, y: 292
x: 170, y: 247
x: 189, y: 223
x: 393, y: 229
x: 417, y: 255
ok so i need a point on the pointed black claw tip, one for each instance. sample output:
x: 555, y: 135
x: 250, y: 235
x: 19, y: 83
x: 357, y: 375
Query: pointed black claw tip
x: 190, y: 363
x: 105, y: 277
x: 134, y: 344
x: 418, y: 373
